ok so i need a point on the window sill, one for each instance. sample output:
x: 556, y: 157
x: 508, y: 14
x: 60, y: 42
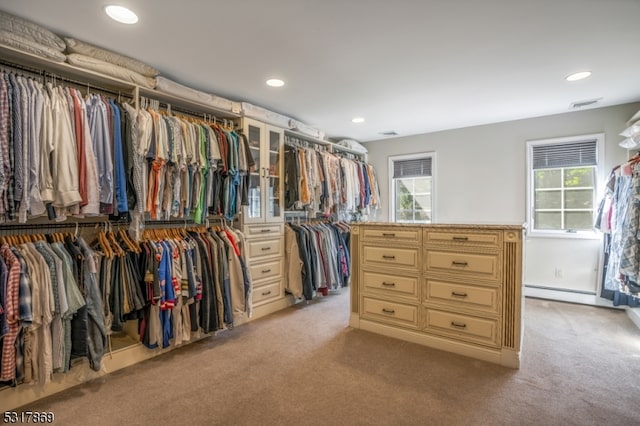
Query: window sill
x: 565, y: 235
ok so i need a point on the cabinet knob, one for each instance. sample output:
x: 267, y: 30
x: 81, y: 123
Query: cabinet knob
x: 458, y: 324
x: 389, y: 284
x: 385, y: 234
x: 264, y: 271
x: 388, y: 311
x: 455, y: 263
x: 453, y: 293
x: 266, y: 293
x: 265, y: 248
x: 265, y: 230
x: 384, y: 256
x: 460, y: 238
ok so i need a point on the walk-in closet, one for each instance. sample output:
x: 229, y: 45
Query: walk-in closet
x: 319, y: 212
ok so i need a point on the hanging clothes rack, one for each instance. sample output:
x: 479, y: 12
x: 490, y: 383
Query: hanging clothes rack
x: 42, y: 76
x: 172, y: 109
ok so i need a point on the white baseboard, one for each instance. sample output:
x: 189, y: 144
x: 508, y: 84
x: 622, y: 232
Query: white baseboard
x: 580, y: 298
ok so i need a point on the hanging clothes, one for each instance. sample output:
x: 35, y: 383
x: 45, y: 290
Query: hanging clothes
x: 317, y: 258
x: 324, y: 182
x: 64, y: 155
x: 40, y: 295
x: 618, y: 217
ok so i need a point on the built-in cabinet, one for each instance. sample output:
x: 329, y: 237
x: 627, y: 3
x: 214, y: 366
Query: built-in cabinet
x: 262, y: 220
x: 452, y: 287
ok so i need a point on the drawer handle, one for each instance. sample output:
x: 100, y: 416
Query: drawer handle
x: 264, y: 271
x: 460, y: 238
x: 266, y: 293
x: 265, y: 248
x: 265, y: 230
x: 389, y: 284
x: 388, y: 311
x: 453, y: 293
x: 384, y: 256
x: 454, y: 263
x: 458, y: 325
x: 388, y: 235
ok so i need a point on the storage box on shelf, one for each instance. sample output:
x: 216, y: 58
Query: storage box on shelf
x: 452, y: 287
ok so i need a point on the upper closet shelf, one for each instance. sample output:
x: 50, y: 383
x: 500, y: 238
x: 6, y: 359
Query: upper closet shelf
x: 177, y: 101
x: 333, y: 146
x: 38, y: 64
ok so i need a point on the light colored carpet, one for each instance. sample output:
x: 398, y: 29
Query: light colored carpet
x: 304, y: 365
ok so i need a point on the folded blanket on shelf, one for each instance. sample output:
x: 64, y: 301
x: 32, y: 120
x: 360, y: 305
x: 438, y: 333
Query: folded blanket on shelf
x: 87, y: 49
x: 116, y: 71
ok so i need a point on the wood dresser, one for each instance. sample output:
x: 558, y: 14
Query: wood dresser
x: 456, y: 288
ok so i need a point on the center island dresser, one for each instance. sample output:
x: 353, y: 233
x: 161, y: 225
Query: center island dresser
x: 457, y: 288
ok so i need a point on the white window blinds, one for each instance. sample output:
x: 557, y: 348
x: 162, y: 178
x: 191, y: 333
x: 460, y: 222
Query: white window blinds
x: 571, y: 154
x: 412, y: 168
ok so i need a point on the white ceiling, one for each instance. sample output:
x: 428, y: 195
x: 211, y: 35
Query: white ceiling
x: 410, y: 66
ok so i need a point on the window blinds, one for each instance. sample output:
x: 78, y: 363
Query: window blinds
x: 571, y: 154
x: 412, y: 168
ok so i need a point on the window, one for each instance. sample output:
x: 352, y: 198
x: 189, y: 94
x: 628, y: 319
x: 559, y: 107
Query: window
x: 412, y: 188
x: 562, y: 183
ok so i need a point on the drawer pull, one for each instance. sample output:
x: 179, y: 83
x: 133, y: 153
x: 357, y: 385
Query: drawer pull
x: 266, y: 293
x: 388, y: 311
x: 265, y: 248
x: 389, y: 284
x: 458, y: 325
x: 265, y: 230
x: 264, y: 271
x: 460, y: 238
x: 388, y: 235
x: 453, y: 293
x: 454, y: 263
x: 384, y: 256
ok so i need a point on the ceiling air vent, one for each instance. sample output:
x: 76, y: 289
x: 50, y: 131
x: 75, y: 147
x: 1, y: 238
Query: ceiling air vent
x: 585, y: 103
x: 389, y: 133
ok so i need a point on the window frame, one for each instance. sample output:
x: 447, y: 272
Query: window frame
x: 530, y: 193
x: 392, y: 190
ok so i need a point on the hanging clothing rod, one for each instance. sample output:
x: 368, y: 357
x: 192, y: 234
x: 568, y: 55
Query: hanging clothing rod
x: 8, y: 228
x: 184, y: 222
x: 199, y: 115
x: 42, y: 74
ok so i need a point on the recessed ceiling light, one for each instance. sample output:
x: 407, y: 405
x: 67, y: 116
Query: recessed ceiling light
x: 121, y: 14
x: 358, y: 120
x: 578, y: 75
x: 275, y: 82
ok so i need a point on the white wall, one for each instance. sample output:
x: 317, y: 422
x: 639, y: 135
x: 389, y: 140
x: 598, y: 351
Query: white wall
x: 481, y: 178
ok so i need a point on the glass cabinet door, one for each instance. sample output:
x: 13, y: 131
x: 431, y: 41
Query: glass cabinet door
x: 273, y: 166
x: 254, y: 211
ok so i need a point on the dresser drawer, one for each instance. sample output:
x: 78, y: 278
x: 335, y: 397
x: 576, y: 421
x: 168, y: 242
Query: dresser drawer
x: 263, y: 270
x: 476, y: 265
x: 464, y: 327
x: 391, y: 256
x: 262, y: 248
x: 255, y: 231
x: 400, y: 234
x: 390, y: 312
x: 265, y: 293
x: 468, y: 296
x: 491, y: 239
x: 390, y: 284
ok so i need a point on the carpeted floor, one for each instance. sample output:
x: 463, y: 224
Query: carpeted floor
x: 304, y: 365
